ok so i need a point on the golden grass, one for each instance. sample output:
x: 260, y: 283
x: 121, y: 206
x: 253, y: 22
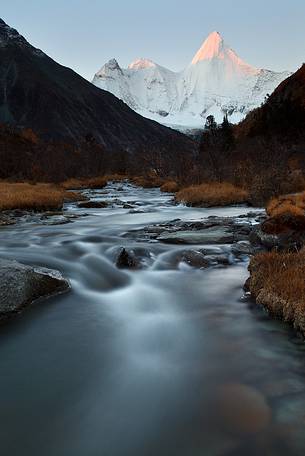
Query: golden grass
x: 78, y: 184
x: 147, y: 181
x: 278, y: 282
x: 91, y: 182
x: 287, y: 204
x: 27, y: 196
x: 286, y: 213
x: 212, y: 194
x: 170, y: 187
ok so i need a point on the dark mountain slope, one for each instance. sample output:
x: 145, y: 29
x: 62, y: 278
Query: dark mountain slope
x: 38, y: 93
x: 283, y: 114
x: 265, y: 152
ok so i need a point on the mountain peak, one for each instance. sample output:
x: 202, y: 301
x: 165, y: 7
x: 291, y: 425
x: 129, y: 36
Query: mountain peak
x: 108, y: 69
x: 212, y: 47
x: 215, y: 48
x: 9, y: 35
x: 112, y: 64
x: 141, y: 64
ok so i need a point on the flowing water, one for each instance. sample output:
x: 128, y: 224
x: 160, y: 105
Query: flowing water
x: 167, y: 360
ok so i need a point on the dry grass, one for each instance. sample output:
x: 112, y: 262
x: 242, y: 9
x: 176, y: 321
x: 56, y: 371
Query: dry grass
x: 92, y: 182
x: 31, y: 197
x: 212, y: 194
x: 287, y: 204
x: 170, y: 187
x: 78, y: 184
x: 278, y: 282
x: 147, y: 181
x: 286, y: 214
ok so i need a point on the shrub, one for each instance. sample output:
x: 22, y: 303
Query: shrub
x: 212, y: 194
x: 147, y: 181
x: 170, y: 187
x: 287, y: 204
x: 93, y: 182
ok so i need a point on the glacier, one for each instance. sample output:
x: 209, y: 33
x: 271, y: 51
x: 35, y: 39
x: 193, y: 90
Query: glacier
x: 216, y: 82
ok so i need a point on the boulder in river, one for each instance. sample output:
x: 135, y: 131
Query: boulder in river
x: 213, y: 235
x: 20, y: 285
x: 127, y: 260
x: 193, y: 258
x: 93, y: 204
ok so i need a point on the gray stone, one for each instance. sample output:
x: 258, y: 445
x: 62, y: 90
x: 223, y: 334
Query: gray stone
x: 242, y: 248
x: 218, y: 259
x: 213, y: 235
x: 93, y: 204
x: 195, y: 259
x: 127, y: 260
x: 20, y: 285
x: 258, y: 237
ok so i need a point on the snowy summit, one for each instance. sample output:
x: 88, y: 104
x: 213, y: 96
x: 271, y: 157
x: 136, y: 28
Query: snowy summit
x: 217, y: 82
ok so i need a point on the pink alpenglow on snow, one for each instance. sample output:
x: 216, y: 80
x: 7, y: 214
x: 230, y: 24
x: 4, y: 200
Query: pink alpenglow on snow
x: 217, y: 82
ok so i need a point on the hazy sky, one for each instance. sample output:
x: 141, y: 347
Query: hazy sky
x: 85, y: 34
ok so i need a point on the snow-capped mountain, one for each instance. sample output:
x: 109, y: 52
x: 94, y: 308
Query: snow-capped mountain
x: 216, y: 82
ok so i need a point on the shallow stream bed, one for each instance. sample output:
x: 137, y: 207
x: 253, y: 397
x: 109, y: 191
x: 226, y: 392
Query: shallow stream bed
x: 166, y: 360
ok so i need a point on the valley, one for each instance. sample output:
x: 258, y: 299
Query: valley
x: 152, y: 238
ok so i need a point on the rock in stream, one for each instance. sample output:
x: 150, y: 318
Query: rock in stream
x: 20, y: 285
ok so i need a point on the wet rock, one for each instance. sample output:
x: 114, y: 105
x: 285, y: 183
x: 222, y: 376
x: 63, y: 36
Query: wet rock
x: 6, y: 220
x: 127, y: 206
x: 259, y: 238
x: 224, y: 260
x: 93, y: 204
x: 193, y: 258
x: 117, y: 202
x: 242, y: 248
x: 243, y: 409
x: 56, y: 221
x: 127, y: 260
x: 253, y: 215
x: 219, y: 235
x: 289, y: 239
x: 20, y: 285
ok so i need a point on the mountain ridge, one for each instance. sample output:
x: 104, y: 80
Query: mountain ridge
x: 216, y: 82
x: 60, y: 106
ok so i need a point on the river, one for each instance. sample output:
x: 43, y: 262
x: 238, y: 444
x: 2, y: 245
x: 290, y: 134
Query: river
x: 165, y: 360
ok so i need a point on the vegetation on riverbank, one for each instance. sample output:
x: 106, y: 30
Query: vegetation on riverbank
x: 78, y: 184
x: 170, y: 187
x: 212, y: 194
x: 277, y: 282
x: 287, y: 204
x: 277, y: 276
x: 286, y: 214
x: 36, y: 197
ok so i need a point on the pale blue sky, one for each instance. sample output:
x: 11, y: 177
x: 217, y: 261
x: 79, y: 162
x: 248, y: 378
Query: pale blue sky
x: 85, y: 34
